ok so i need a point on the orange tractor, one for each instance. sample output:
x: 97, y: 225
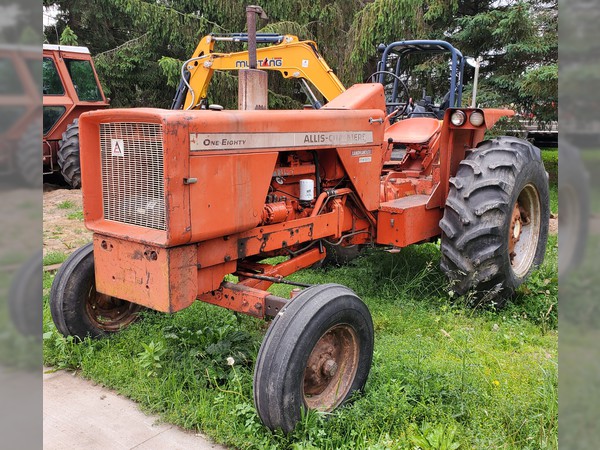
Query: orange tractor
x: 178, y: 200
x: 70, y: 87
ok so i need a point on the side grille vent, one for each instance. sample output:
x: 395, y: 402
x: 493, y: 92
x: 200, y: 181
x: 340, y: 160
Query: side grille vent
x: 133, y: 174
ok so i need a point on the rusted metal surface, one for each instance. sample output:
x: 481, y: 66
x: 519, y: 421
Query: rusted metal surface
x: 244, y: 299
x: 514, y: 235
x: 251, y: 12
x: 417, y: 130
x: 275, y: 212
x: 253, y: 90
x: 493, y: 115
x: 407, y: 221
x: 232, y: 189
x: 109, y: 313
x: 274, y: 304
x: 275, y: 280
x: 162, y: 279
x: 524, y: 230
x: 331, y: 368
x: 283, y: 269
x: 267, y: 238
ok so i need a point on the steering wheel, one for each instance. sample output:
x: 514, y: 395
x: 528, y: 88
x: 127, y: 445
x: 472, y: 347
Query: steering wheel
x: 395, y: 104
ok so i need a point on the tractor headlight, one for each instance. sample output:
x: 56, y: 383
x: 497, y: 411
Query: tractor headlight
x: 458, y: 118
x: 476, y: 118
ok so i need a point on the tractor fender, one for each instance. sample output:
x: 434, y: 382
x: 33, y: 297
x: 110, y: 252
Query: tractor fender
x: 493, y: 115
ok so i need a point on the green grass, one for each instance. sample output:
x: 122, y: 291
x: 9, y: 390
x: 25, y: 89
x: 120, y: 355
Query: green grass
x: 54, y: 258
x: 554, y: 198
x: 478, y: 378
x: 76, y: 215
x: 550, y: 158
x: 67, y: 204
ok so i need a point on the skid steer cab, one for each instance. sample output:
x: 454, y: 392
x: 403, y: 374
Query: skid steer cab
x: 178, y: 200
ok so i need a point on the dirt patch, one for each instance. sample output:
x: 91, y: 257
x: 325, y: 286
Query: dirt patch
x: 63, y: 220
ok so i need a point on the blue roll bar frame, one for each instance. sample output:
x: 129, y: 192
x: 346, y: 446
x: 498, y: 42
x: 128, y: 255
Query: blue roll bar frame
x: 402, y: 48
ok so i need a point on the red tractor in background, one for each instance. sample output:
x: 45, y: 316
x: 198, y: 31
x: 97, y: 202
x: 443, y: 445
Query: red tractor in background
x: 70, y: 87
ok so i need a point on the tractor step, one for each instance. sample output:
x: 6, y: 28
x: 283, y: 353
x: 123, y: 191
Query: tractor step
x: 400, y: 205
x: 406, y: 221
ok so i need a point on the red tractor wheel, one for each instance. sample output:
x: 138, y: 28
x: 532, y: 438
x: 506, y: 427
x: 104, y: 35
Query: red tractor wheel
x: 78, y: 309
x: 315, y: 355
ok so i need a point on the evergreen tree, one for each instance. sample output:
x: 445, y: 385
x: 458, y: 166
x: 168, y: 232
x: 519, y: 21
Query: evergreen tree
x: 67, y: 37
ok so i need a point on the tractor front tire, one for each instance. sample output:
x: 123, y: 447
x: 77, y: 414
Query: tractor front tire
x: 315, y: 355
x: 495, y: 224
x: 68, y: 155
x: 77, y: 309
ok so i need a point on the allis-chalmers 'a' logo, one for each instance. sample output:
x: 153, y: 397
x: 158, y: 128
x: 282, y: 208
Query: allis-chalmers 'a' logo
x: 267, y: 62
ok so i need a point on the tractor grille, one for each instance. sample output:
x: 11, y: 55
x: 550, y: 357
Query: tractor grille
x: 132, y: 174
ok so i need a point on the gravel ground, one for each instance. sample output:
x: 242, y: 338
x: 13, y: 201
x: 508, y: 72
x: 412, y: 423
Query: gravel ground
x: 64, y: 230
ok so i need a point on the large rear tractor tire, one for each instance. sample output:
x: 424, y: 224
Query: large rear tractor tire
x: 77, y: 309
x: 495, y: 224
x: 68, y: 155
x: 315, y: 355
x: 28, y: 158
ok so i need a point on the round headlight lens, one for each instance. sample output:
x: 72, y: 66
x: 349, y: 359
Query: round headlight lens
x: 476, y: 118
x: 458, y: 118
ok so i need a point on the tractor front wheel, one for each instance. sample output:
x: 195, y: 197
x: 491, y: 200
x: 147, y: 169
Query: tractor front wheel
x: 495, y: 224
x: 78, y: 309
x: 315, y: 355
x: 68, y: 155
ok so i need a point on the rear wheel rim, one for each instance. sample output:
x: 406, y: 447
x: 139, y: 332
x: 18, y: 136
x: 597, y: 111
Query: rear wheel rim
x: 524, y: 230
x: 108, y: 313
x: 331, y: 368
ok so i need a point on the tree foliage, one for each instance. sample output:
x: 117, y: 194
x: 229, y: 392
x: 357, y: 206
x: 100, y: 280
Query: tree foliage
x: 68, y: 37
x: 140, y: 44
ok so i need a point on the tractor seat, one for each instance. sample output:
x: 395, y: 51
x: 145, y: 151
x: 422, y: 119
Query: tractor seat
x: 416, y: 130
